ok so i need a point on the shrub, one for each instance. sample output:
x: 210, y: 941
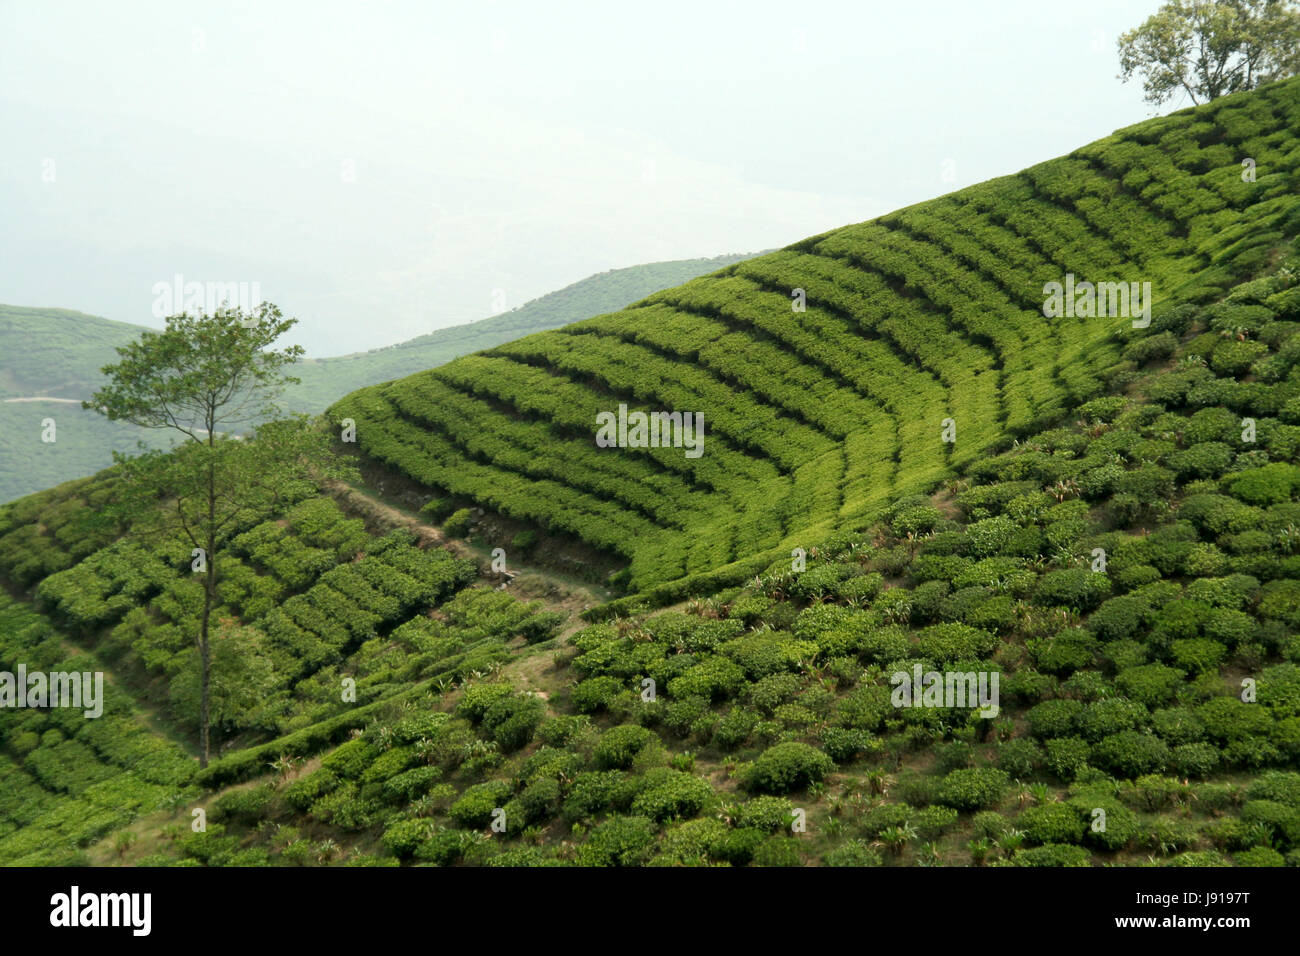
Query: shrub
x: 778, y: 850
x: 512, y: 721
x: 1149, y: 348
x: 1052, y: 823
x: 785, y: 767
x: 1259, y: 856
x: 1019, y: 757
x: 442, y: 849
x: 843, y: 744
x: 734, y: 728
x: 690, y: 843
x: 619, y: 745
x: 671, y: 793
x: 1122, y: 825
x: 1076, y: 588
x: 350, y: 759
x: 1066, y: 756
x: 1131, y: 754
x: 739, y: 846
x: 404, y: 836
x: 1197, y: 654
x: 1281, y: 822
x: 974, y: 789
x: 1054, y: 718
x: 593, y: 792
x: 1053, y: 854
x: 952, y: 641
x: 244, y: 806
x: 763, y: 813
x: 852, y: 853
x: 932, y: 822
x: 474, y: 808
x: 712, y: 679
x: 1149, y: 684
x: 457, y: 526
x: 1282, y: 786
x: 596, y: 694
x: 619, y: 841
x: 1271, y: 484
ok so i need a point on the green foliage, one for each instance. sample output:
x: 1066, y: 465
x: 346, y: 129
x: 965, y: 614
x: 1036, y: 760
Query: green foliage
x: 978, y: 788
x: 620, y: 745
x: 785, y: 767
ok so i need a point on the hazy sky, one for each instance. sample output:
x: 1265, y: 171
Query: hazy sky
x: 385, y: 169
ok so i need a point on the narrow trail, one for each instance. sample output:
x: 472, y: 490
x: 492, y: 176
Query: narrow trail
x: 556, y: 592
x: 44, y: 398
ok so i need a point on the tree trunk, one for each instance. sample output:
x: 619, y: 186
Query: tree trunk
x: 205, y: 666
x: 209, y: 597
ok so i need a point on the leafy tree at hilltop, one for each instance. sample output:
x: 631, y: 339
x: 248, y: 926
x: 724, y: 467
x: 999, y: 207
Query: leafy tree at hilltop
x: 202, y: 376
x: 1207, y: 48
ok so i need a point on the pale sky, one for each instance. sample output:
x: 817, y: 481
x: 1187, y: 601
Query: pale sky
x: 382, y: 170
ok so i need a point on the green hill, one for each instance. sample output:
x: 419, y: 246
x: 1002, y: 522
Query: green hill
x: 816, y: 418
x: 55, y: 353
x: 1112, y: 538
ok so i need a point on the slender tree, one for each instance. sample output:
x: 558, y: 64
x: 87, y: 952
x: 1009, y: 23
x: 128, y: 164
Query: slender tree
x: 1207, y: 48
x: 205, y: 377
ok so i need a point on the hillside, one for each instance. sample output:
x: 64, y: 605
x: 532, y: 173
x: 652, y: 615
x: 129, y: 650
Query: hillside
x: 55, y: 353
x: 817, y: 418
x: 1112, y: 538
x: 325, y: 380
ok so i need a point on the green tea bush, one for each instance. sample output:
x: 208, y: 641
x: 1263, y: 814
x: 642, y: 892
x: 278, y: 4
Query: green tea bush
x: 1019, y: 758
x: 670, y: 794
x: 1066, y: 757
x: 1052, y: 823
x: 475, y: 806
x: 619, y: 841
x: 857, y: 853
x: 978, y: 788
x: 1053, y: 854
x: 778, y: 851
x: 1131, y: 754
x: 618, y: 746
x: 1075, y: 588
x: 785, y: 767
x: 763, y: 813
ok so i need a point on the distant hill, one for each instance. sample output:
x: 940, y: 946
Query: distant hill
x: 50, y: 360
x: 326, y: 380
x: 55, y: 355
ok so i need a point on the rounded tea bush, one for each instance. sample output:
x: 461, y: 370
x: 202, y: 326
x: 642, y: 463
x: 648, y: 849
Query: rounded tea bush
x: 978, y: 788
x: 619, y: 745
x: 1053, y: 854
x: 785, y: 767
x: 619, y: 841
x: 1131, y: 754
x: 852, y: 853
x: 1052, y: 823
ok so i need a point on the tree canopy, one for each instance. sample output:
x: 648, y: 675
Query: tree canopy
x: 1208, y: 48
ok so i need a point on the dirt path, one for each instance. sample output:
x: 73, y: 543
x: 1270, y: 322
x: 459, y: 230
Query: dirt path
x: 46, y: 398
x: 557, y: 592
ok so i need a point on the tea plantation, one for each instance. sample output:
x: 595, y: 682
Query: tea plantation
x: 1114, y: 537
x: 817, y: 418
